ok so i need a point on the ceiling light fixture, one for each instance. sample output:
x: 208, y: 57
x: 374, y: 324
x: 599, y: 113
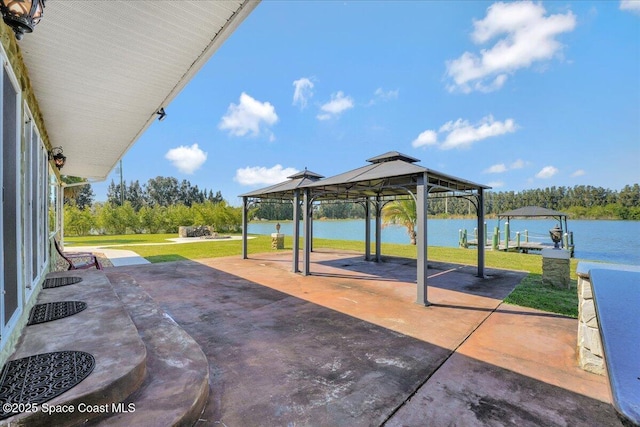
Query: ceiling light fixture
x: 21, y: 15
x: 58, y: 158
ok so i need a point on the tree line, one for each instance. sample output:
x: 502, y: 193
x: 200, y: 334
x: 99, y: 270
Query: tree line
x: 161, y: 205
x: 105, y: 218
x: 159, y: 191
x: 579, y: 202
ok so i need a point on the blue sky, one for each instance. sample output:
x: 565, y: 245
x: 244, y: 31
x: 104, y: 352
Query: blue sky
x: 514, y: 95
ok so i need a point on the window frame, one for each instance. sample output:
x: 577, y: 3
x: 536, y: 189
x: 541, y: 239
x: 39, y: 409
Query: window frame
x: 6, y: 327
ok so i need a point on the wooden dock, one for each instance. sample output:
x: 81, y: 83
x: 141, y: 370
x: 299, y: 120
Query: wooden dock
x: 523, y: 242
x: 514, y: 246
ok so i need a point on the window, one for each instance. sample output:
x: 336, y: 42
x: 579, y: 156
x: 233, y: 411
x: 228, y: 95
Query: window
x: 35, y: 189
x: 11, y: 295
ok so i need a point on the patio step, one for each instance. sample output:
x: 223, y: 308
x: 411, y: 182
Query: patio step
x: 103, y: 329
x: 148, y: 370
x: 176, y: 388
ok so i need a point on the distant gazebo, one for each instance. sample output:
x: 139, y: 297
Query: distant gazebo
x: 535, y: 212
x: 387, y: 177
x: 540, y: 212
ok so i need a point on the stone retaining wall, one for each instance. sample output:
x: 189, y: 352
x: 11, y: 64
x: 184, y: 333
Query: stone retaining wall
x: 589, y: 345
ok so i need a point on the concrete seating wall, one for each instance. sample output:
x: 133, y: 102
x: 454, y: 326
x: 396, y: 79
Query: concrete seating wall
x: 609, y: 331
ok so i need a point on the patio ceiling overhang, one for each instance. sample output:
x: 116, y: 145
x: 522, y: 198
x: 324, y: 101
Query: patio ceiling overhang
x: 102, y: 69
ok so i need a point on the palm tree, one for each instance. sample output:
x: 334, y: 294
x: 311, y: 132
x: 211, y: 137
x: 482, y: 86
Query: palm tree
x: 401, y: 212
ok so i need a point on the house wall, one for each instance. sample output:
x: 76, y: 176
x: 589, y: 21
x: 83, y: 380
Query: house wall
x: 30, y: 249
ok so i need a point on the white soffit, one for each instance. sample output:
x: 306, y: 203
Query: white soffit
x: 101, y: 69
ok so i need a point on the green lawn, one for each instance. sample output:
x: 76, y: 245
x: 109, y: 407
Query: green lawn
x: 529, y: 293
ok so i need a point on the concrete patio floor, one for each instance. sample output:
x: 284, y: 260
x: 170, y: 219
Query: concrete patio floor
x: 347, y: 346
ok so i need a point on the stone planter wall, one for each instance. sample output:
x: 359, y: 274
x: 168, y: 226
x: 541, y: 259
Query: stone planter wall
x: 277, y: 241
x: 556, y: 268
x: 196, y: 231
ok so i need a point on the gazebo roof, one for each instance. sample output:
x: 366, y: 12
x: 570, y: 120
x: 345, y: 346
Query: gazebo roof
x: 285, y: 189
x: 531, y: 212
x: 389, y: 175
x: 392, y: 155
x: 392, y: 174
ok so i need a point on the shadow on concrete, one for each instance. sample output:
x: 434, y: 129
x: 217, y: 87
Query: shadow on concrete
x: 276, y: 359
x: 461, y: 278
x: 501, y: 310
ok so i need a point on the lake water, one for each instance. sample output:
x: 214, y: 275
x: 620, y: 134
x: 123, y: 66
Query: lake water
x: 597, y: 240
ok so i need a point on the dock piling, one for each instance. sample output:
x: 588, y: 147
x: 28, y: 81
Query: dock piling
x: 486, y: 237
x: 507, y: 236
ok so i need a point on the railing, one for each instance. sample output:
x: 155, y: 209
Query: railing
x: 522, y: 240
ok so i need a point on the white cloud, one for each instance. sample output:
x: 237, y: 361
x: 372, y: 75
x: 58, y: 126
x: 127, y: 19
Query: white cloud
x: 527, y: 36
x: 389, y: 94
x: 186, y: 159
x: 302, y: 92
x: 461, y: 134
x: 339, y: 103
x: 579, y: 172
x: 260, y: 175
x: 499, y: 168
x: 518, y: 164
x: 383, y: 95
x: 249, y: 116
x: 547, y: 172
x: 428, y: 137
x: 496, y: 184
x: 630, y: 5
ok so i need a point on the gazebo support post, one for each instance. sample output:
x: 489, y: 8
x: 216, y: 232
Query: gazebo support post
x: 422, y: 194
x: 367, y: 230
x: 306, y: 214
x: 310, y: 226
x: 245, y: 220
x: 378, y: 207
x: 296, y: 230
x: 481, y: 236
